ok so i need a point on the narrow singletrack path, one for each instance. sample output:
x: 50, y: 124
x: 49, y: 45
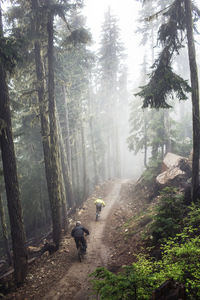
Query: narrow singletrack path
x: 75, y: 284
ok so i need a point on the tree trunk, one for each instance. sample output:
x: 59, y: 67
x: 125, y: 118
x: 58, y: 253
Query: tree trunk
x: 5, y: 232
x: 145, y: 139
x: 54, y: 175
x: 77, y: 172
x: 11, y: 180
x: 64, y: 220
x: 51, y: 175
x: 63, y: 186
x: 109, y: 161
x: 65, y: 170
x: 195, y: 99
x: 93, y: 154
x: 84, y: 163
x: 168, y: 144
x: 42, y: 200
x: 66, y: 127
x: 116, y: 149
x: 44, y: 120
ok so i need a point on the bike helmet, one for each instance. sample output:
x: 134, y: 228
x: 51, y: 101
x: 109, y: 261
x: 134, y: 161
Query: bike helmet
x: 78, y: 223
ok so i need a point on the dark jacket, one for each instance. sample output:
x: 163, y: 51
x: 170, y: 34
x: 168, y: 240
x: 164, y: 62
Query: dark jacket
x: 78, y: 231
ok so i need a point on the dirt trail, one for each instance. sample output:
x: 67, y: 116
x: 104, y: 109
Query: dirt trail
x: 75, y: 284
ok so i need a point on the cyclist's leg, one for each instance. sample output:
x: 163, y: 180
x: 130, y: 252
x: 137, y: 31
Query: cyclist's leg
x: 98, y: 209
x: 84, y: 244
x: 77, y: 239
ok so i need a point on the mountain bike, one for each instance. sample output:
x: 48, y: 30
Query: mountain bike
x: 98, y: 211
x: 81, y: 251
x: 97, y: 215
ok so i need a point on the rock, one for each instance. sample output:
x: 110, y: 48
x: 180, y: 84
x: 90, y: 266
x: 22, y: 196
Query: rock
x: 171, y: 160
x: 175, y: 169
x: 169, y: 175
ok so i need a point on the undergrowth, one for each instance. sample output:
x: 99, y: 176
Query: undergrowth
x: 180, y: 261
x: 178, y: 234
x: 168, y: 219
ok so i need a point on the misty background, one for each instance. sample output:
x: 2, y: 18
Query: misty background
x: 73, y: 72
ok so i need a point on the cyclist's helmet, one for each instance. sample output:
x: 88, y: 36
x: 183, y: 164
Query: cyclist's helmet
x: 78, y: 223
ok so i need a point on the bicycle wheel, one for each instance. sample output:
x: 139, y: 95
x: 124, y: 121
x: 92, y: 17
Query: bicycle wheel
x: 80, y: 254
x: 97, y: 216
x: 81, y: 251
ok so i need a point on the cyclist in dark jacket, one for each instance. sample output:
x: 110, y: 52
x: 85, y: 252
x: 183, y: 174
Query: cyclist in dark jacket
x: 78, y: 234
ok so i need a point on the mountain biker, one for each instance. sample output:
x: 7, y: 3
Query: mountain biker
x: 78, y: 234
x: 99, y: 204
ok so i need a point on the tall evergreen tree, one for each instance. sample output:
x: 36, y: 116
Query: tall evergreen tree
x: 74, y: 62
x: 110, y: 55
x: 54, y: 150
x: 163, y: 81
x: 195, y: 98
x: 10, y: 174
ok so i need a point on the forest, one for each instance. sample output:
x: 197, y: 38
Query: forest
x: 75, y: 126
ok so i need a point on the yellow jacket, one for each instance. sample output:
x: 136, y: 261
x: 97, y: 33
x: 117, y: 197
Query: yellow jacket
x: 100, y: 201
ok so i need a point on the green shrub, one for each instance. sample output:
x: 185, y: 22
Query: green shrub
x: 126, y: 285
x: 151, y: 172
x: 180, y: 256
x: 169, y: 215
x: 193, y: 217
x: 180, y: 262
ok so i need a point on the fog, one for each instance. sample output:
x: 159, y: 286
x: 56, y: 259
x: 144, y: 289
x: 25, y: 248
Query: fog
x: 72, y: 76
x: 130, y: 22
x: 131, y: 165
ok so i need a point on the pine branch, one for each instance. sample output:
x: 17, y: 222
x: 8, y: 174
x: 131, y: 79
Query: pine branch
x: 155, y: 16
x: 196, y: 10
x: 163, y: 81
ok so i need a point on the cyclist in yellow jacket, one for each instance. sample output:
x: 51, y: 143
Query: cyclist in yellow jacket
x: 99, y: 204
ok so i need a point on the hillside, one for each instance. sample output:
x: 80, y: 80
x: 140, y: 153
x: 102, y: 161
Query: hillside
x: 61, y: 275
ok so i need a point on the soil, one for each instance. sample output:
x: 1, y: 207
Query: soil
x: 112, y: 243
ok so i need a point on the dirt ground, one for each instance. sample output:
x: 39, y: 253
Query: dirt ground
x: 60, y: 275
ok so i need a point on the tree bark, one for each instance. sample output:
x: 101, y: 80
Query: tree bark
x: 94, y: 159
x: 65, y: 169
x: 77, y: 168
x: 84, y: 163
x: 56, y: 190
x: 44, y: 120
x: 51, y: 173
x: 66, y: 126
x: 145, y: 139
x: 11, y: 180
x: 195, y: 100
x: 116, y: 149
x: 5, y: 232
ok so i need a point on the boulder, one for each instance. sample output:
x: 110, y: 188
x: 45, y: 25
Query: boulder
x: 176, y: 169
x: 169, y: 175
x: 171, y: 160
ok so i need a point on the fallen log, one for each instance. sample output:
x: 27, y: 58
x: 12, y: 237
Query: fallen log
x: 10, y: 271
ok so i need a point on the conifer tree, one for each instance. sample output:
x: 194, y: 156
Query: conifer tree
x: 110, y: 55
x: 10, y: 173
x: 163, y: 81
